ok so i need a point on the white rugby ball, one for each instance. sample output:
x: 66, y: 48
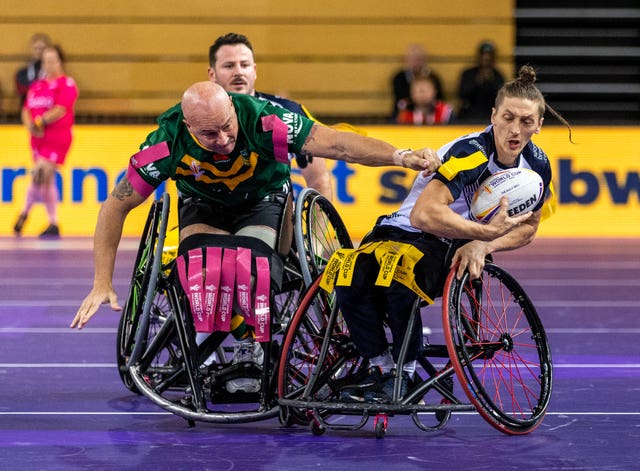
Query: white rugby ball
x: 522, y: 186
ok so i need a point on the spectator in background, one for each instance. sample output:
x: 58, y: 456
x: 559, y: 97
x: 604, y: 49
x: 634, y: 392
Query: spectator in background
x: 479, y: 86
x: 48, y: 114
x: 415, y: 64
x: 28, y: 74
x: 424, y: 107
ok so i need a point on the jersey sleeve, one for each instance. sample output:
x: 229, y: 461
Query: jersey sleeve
x: 289, y: 131
x: 148, y: 167
x: 459, y: 163
x: 548, y: 203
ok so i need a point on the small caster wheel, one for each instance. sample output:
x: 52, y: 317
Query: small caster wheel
x: 317, y: 429
x: 285, y: 417
x: 380, y: 424
x: 443, y: 416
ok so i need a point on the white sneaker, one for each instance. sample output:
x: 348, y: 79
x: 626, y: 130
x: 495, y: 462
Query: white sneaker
x: 246, y: 352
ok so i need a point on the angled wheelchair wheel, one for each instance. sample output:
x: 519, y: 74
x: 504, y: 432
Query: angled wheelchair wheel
x: 498, y: 348
x: 318, y: 231
x: 143, y: 290
x: 190, y: 376
x: 189, y: 379
x: 317, y: 353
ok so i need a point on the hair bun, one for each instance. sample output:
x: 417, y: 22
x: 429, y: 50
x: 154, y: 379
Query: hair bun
x: 527, y: 74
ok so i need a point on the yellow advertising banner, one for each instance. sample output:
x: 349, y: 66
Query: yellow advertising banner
x: 597, y: 179
x: 98, y: 157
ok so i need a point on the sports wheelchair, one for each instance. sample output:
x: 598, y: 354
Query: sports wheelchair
x: 157, y: 352
x: 493, y: 342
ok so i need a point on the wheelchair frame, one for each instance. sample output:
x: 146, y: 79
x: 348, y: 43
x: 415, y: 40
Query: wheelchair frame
x: 494, y: 343
x: 157, y: 354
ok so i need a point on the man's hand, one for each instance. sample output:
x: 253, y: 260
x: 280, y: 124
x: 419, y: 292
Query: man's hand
x: 91, y: 304
x: 423, y: 159
x: 470, y: 256
x: 502, y: 223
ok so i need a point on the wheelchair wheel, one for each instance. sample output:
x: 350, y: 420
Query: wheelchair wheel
x: 316, y: 353
x: 189, y: 379
x: 144, y: 284
x: 499, y: 349
x: 127, y: 328
x: 319, y: 231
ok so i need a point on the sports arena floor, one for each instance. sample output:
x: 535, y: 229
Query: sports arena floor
x: 63, y: 406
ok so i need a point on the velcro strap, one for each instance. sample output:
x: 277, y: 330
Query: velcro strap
x: 227, y: 285
x: 150, y: 154
x: 141, y: 159
x: 263, y: 294
x: 257, y: 246
x: 339, y: 268
x: 243, y: 283
x: 212, y: 283
x: 196, y: 285
x: 331, y: 269
x: 210, y: 277
x: 388, y: 256
x: 192, y: 283
x: 396, y: 259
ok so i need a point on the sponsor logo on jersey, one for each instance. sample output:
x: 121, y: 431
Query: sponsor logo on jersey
x: 294, y: 125
x: 151, y: 171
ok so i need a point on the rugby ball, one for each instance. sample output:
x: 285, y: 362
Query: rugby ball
x: 522, y: 186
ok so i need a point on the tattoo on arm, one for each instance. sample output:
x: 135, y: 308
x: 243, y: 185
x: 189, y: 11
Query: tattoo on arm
x: 122, y: 190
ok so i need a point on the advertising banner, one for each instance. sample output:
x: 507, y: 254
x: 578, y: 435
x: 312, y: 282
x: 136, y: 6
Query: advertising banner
x: 596, y: 178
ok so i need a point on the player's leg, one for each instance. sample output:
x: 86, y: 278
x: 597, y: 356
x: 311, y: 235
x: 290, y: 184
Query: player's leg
x: 363, y: 307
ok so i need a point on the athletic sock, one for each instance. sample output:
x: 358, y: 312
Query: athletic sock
x: 240, y: 329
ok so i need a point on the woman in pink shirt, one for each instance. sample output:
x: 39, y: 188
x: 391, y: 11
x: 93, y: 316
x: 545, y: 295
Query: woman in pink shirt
x: 48, y: 113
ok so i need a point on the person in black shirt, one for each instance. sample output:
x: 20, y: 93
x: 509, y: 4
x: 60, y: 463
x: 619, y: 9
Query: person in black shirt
x: 415, y: 65
x: 28, y: 74
x: 478, y: 86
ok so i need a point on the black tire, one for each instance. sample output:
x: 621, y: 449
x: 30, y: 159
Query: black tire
x: 140, y: 278
x: 498, y: 348
x: 319, y: 231
x: 380, y: 428
x: 317, y: 322
x: 317, y: 429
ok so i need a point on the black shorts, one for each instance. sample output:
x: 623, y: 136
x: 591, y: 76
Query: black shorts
x: 266, y: 212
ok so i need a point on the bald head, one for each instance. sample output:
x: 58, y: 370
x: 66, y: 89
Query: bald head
x: 210, y: 116
x: 204, y: 99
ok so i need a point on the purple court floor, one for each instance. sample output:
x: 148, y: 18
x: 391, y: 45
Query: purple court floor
x: 63, y: 406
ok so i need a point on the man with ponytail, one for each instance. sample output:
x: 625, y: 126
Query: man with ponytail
x: 433, y: 231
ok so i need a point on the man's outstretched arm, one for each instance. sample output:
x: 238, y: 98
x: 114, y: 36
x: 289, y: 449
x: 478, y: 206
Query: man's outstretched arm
x: 105, y: 246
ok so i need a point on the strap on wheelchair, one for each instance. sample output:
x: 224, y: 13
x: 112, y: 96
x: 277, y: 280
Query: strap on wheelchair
x: 396, y: 259
x: 212, y: 268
